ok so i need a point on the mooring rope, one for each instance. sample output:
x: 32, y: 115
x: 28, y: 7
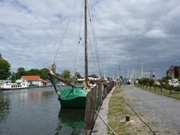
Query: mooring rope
x: 141, y: 119
x: 106, y: 123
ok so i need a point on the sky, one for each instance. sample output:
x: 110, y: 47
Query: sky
x: 124, y: 35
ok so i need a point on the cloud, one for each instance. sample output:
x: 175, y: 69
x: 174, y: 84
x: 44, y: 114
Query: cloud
x: 126, y: 33
x: 156, y: 33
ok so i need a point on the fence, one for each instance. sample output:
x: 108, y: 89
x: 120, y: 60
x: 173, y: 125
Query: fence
x: 165, y: 91
x: 94, y: 101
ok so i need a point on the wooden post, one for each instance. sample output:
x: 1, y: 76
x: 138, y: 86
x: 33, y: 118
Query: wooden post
x: 100, y: 93
x: 95, y: 97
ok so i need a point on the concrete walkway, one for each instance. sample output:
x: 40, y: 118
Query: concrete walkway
x: 163, y: 113
x: 99, y: 127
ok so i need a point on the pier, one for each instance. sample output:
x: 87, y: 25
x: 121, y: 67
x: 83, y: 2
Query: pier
x: 95, y: 100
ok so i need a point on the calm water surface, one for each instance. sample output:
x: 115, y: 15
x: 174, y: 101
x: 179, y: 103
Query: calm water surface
x: 37, y: 112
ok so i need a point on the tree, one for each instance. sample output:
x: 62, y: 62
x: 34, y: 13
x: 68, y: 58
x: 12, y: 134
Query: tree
x: 44, y: 73
x: 146, y: 82
x: 4, y: 69
x: 20, y: 72
x: 33, y: 72
x: 165, y: 79
x: 13, y: 77
x: 66, y: 75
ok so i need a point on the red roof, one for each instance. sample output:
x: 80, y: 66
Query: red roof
x: 31, y: 78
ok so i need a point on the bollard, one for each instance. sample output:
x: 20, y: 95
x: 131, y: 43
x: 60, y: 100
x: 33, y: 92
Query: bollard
x: 127, y: 118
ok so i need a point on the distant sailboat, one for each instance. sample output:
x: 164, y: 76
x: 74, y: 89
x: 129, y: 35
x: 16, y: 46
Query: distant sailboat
x: 72, y: 96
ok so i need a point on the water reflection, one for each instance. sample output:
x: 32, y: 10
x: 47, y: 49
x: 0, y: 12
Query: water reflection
x: 71, y: 122
x: 41, y: 95
x: 37, y: 112
x: 4, y: 107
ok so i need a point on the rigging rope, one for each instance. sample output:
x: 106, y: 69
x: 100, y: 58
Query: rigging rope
x: 48, y: 32
x: 79, y: 40
x: 64, y: 34
x: 95, y: 42
x: 67, y: 27
x: 61, y: 42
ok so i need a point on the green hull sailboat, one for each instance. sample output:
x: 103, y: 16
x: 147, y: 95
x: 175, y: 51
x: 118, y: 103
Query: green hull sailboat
x: 69, y: 96
x: 73, y: 97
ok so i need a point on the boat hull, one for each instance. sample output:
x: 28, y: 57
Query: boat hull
x: 79, y: 102
x: 72, y: 98
x: 9, y: 89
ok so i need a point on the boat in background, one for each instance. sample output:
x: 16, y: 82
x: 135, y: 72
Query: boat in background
x: 19, y: 84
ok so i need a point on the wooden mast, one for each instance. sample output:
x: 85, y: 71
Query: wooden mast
x: 86, y: 43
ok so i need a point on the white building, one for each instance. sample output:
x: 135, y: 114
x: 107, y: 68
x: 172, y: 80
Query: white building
x: 34, y: 80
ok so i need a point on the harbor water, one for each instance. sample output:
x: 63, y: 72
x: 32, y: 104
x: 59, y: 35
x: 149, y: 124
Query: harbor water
x: 37, y: 112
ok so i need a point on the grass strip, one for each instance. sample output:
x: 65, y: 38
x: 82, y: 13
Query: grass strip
x: 117, y: 113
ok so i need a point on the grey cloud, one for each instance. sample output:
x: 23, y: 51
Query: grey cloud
x: 127, y: 33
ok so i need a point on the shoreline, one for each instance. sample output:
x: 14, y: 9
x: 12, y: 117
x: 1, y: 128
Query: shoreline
x: 100, y: 127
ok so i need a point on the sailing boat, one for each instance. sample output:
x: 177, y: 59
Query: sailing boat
x: 73, y: 96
